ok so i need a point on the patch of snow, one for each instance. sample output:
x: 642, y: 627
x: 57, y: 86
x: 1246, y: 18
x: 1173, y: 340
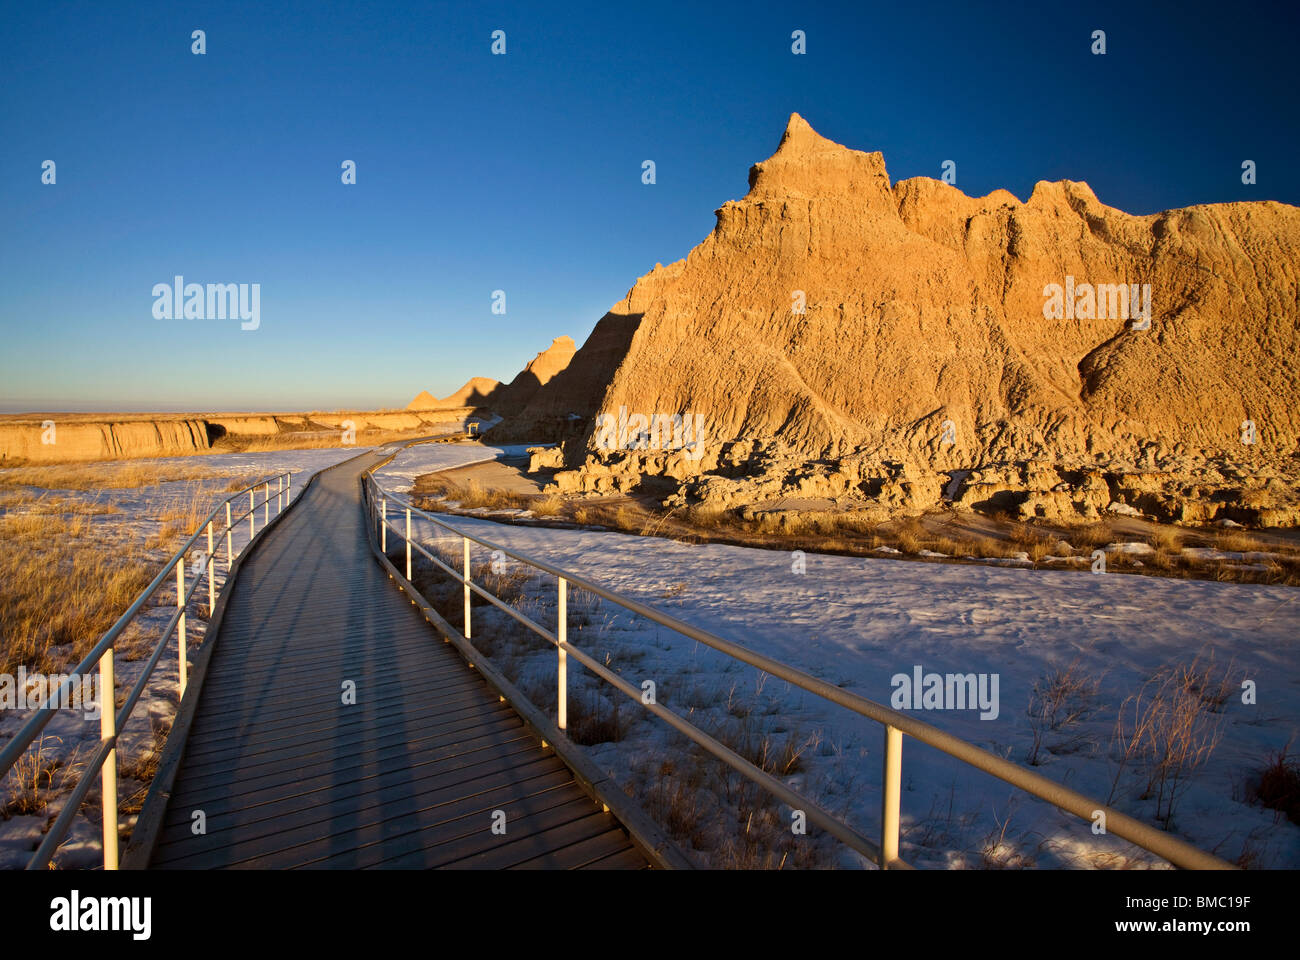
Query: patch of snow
x: 1135, y: 547
x: 1210, y: 553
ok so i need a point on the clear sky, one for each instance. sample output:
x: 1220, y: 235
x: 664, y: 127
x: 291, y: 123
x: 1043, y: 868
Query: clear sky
x: 522, y: 172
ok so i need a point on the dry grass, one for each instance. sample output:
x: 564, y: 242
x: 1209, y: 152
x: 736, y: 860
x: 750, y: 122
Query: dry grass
x: 32, y: 779
x: 115, y: 475
x: 182, y: 515
x: 1279, y: 785
x: 1033, y: 541
x: 547, y: 506
x: 1166, y: 540
x: 292, y: 440
x: 1093, y: 535
x: 590, y: 723
x: 60, y: 587
x: 1170, y: 727
x: 241, y: 482
x: 1059, y: 699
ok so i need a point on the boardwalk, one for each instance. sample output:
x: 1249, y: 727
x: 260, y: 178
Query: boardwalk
x: 286, y: 774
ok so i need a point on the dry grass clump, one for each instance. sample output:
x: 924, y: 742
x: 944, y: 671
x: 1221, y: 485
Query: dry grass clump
x: 32, y: 780
x: 1237, y: 541
x: 590, y: 722
x: 547, y: 506
x: 1166, y: 540
x: 1060, y: 699
x: 1169, y: 728
x: 1279, y: 785
x: 1097, y: 534
x: 1037, y: 543
x: 706, y: 515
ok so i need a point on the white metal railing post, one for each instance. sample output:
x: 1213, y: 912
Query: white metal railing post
x: 383, y: 525
x: 108, y: 773
x: 252, y: 513
x: 180, y: 623
x: 212, y: 586
x: 561, y: 631
x: 466, y: 539
x: 267, y: 504
x: 890, y: 796
x: 230, y: 531
x: 279, y: 495
x: 408, y: 544
x: 288, y: 482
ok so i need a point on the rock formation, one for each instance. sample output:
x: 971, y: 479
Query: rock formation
x: 848, y: 338
x: 476, y: 392
x: 539, y: 372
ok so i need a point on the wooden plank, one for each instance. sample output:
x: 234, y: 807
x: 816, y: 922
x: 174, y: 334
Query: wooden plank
x: 445, y: 714
x: 543, y: 835
x: 256, y: 774
x: 575, y: 856
x: 401, y: 833
x: 315, y: 821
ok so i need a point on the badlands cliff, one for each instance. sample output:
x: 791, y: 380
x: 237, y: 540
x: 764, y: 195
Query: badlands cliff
x: 896, y: 344
x: 54, y: 437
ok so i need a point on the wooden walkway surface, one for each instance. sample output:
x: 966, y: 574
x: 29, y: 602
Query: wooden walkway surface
x: 288, y: 775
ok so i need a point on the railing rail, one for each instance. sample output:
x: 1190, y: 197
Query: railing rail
x: 101, y: 657
x: 884, y: 853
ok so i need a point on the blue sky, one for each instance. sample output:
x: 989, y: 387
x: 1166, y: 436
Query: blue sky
x: 523, y: 172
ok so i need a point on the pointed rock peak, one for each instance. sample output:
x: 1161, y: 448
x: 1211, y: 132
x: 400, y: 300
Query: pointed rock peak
x: 423, y: 401
x: 799, y: 127
x: 806, y: 164
x: 800, y: 139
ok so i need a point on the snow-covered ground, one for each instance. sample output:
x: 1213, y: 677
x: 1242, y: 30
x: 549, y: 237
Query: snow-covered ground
x: 70, y: 736
x: 399, y: 476
x: 860, y: 622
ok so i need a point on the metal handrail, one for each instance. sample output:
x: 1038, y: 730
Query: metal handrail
x: 886, y: 852
x: 104, y: 759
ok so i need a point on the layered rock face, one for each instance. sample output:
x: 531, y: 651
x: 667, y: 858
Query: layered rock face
x: 49, y: 440
x: 834, y: 325
x: 56, y: 438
